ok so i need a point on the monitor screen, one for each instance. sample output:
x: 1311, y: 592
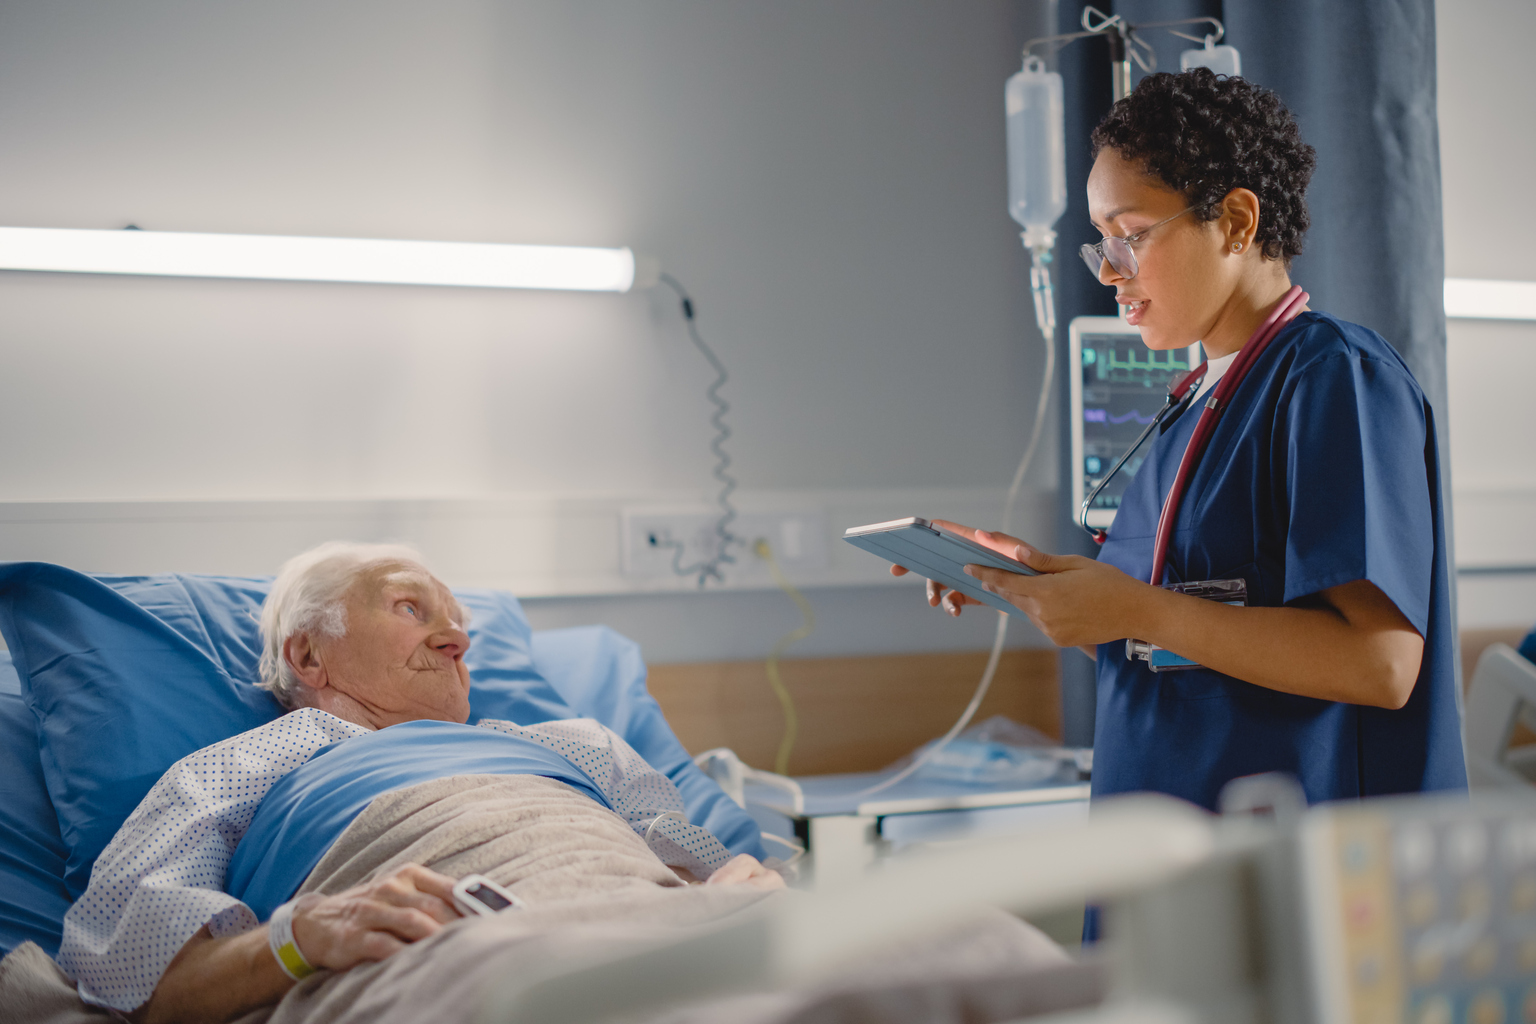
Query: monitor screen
x: 1118, y: 386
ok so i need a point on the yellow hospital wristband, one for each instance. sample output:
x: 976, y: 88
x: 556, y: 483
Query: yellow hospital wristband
x: 280, y: 937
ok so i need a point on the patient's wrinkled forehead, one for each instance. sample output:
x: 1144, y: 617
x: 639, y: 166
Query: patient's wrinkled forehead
x: 415, y: 579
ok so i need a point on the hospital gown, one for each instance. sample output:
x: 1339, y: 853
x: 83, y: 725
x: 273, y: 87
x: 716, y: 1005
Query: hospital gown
x: 161, y: 879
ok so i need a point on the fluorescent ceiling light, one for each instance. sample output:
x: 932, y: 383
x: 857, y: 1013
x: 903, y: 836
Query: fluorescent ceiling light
x: 285, y: 258
x: 1490, y: 300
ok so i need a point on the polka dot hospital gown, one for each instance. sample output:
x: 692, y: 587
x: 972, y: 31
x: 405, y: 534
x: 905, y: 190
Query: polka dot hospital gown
x: 162, y: 876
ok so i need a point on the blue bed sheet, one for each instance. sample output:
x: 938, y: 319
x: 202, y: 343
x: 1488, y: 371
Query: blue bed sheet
x: 310, y: 807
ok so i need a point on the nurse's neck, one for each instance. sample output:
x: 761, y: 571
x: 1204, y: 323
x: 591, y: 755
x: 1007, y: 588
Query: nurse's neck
x: 1254, y: 294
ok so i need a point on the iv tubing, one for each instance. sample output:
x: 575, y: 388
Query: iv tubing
x: 1045, y: 316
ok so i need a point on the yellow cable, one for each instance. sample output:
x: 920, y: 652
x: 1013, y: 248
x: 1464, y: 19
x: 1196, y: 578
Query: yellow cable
x: 791, y: 721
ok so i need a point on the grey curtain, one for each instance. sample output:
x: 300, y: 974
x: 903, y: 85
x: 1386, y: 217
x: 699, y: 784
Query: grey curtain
x: 1360, y: 77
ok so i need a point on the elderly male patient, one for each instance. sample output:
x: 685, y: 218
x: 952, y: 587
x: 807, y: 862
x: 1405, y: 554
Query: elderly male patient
x: 366, y: 649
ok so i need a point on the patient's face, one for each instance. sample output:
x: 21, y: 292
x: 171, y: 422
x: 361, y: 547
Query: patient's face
x: 403, y: 655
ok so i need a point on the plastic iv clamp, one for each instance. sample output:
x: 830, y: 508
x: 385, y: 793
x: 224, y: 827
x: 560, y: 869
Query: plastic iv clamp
x: 1233, y: 592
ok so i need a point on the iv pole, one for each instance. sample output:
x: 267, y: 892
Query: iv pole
x: 1124, y: 43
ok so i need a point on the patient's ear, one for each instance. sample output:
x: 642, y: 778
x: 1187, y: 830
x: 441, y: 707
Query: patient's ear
x: 303, y: 656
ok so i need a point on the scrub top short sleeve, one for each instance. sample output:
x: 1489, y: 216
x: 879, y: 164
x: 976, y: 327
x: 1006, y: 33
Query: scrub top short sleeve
x: 1359, y: 506
x: 1324, y: 470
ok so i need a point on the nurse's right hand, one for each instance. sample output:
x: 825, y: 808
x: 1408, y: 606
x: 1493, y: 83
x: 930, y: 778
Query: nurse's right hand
x: 938, y: 594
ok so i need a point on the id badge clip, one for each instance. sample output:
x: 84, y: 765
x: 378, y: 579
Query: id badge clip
x: 1233, y: 592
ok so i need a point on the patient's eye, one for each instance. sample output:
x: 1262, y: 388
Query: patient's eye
x: 409, y: 607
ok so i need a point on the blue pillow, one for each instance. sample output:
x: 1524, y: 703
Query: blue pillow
x: 32, y: 896
x: 121, y: 691
x: 128, y: 674
x: 602, y: 675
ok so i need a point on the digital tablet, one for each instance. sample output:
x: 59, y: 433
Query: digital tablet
x: 936, y: 553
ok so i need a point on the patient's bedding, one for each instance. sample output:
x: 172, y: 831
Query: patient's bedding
x: 225, y: 836
x: 591, y: 884
x: 306, y: 812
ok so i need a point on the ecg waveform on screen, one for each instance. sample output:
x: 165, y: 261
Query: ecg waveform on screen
x: 1133, y: 365
x: 1120, y: 379
x: 1105, y: 416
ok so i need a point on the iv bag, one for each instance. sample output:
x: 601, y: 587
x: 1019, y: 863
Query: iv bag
x: 1037, y: 151
x: 1223, y: 60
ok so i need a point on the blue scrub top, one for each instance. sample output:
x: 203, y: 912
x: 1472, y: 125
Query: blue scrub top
x: 1324, y: 470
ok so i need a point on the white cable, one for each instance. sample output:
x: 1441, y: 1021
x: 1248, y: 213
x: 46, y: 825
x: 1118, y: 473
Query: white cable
x: 1045, y: 315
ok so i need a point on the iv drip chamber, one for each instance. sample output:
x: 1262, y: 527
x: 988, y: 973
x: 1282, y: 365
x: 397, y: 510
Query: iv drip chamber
x: 1037, y: 152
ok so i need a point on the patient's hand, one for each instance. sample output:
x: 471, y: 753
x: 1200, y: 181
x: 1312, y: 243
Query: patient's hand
x: 374, y: 920
x: 745, y: 869
x: 212, y: 980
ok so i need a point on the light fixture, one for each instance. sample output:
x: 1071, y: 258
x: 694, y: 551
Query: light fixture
x: 353, y: 260
x: 1489, y: 300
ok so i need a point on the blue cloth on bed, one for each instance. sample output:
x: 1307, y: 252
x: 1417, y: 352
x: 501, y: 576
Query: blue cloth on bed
x: 32, y: 896
x: 602, y: 675
x: 308, y: 810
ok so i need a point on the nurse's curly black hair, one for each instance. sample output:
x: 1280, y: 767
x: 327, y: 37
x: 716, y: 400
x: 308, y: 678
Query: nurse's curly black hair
x: 1203, y: 135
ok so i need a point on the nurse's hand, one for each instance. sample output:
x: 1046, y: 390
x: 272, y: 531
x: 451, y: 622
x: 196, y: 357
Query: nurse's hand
x: 1075, y: 602
x: 937, y: 591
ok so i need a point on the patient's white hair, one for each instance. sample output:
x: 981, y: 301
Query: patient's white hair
x: 309, y: 596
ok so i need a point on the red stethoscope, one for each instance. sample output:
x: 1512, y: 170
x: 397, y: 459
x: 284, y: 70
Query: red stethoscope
x: 1179, y: 391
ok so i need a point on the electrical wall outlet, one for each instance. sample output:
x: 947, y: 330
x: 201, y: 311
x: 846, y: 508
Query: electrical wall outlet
x: 656, y: 543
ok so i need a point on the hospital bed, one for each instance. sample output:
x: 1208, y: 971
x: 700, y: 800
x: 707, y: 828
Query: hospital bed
x: 108, y: 680
x: 127, y: 674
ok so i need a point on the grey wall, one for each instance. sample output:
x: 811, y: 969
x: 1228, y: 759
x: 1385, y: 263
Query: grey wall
x: 827, y: 176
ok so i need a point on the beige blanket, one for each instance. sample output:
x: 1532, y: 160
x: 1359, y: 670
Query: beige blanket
x: 591, y: 886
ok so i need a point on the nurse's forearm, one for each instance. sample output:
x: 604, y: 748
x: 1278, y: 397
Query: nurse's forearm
x: 1353, y: 646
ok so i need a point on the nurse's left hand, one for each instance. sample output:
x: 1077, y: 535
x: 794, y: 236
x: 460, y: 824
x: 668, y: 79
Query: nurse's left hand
x: 1075, y: 602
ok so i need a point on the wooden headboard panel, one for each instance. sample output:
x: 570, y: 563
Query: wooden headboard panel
x: 856, y: 714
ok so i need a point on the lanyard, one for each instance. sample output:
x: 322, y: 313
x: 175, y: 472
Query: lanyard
x: 1283, y: 313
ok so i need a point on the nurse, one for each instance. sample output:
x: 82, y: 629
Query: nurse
x: 1319, y: 488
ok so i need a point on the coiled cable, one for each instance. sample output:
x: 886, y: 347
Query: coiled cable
x: 709, y: 568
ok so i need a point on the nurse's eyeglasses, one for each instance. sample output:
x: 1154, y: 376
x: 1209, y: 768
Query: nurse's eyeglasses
x: 1118, y: 250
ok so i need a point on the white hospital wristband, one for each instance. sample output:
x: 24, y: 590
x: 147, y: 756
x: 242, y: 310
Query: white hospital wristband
x: 280, y: 937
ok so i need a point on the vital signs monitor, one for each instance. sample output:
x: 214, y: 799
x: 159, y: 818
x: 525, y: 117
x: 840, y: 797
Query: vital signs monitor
x: 1117, y: 385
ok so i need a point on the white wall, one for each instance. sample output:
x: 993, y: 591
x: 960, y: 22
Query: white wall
x: 1487, y: 152
x: 827, y: 177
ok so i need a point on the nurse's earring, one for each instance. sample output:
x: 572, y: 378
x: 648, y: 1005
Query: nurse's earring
x: 1237, y: 246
